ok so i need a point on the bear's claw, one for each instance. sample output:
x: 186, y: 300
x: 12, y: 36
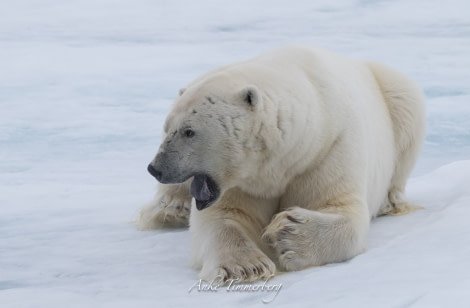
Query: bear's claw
x: 241, y: 270
x: 165, y: 211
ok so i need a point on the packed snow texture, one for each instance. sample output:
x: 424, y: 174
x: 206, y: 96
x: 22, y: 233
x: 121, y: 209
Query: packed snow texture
x: 84, y: 89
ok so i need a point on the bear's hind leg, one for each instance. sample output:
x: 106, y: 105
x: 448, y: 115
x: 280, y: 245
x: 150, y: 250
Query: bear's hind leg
x: 406, y: 105
x: 170, y: 207
x: 396, y: 204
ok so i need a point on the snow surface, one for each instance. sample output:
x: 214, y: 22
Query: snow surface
x: 85, y: 86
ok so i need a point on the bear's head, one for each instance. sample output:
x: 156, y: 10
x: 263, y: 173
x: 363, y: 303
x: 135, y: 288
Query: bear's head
x: 210, y: 133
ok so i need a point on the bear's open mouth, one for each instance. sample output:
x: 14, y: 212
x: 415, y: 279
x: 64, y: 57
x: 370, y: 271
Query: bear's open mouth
x: 204, y: 190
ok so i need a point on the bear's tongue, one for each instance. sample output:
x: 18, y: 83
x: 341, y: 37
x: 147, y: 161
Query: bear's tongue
x: 200, y: 188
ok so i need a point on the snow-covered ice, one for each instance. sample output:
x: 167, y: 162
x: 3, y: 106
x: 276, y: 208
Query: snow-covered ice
x: 85, y: 86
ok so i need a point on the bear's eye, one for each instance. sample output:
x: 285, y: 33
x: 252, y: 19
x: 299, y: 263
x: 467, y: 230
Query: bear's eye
x: 189, y: 133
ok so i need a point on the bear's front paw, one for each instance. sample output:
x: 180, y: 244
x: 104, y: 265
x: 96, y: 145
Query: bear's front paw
x: 240, y: 268
x: 165, y: 211
x: 288, y: 234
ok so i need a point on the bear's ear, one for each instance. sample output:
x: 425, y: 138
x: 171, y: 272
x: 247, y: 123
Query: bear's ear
x: 251, y: 96
x: 181, y: 91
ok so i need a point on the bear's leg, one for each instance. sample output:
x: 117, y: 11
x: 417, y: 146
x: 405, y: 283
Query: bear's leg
x: 232, y: 255
x: 396, y: 203
x: 411, y: 140
x: 226, y: 240
x: 304, y: 238
x: 170, y: 207
x: 406, y: 105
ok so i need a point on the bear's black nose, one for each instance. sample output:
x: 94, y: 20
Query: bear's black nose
x: 154, y: 172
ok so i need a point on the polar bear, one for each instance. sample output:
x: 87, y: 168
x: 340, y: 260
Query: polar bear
x: 286, y: 158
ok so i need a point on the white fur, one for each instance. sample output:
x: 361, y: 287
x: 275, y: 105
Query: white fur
x: 325, y: 144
